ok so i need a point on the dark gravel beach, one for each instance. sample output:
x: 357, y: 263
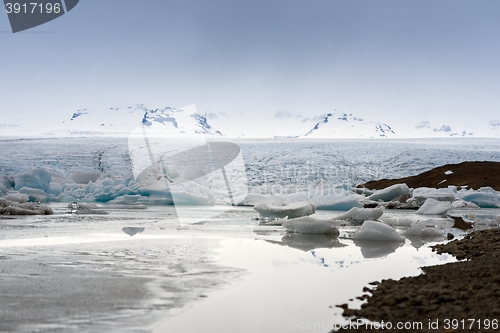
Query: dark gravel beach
x: 455, y: 297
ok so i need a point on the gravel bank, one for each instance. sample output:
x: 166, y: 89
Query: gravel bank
x: 456, y: 297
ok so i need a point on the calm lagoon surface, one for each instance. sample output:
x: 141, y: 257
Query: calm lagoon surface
x: 139, y: 270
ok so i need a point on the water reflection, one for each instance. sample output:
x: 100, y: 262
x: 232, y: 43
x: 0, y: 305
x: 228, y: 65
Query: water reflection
x: 377, y: 249
x: 131, y: 231
x: 419, y: 241
x: 308, y: 242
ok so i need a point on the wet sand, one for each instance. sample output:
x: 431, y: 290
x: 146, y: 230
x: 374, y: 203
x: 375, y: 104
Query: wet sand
x: 455, y: 297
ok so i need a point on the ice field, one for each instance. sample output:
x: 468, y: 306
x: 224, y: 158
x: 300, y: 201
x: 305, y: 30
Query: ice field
x: 129, y: 265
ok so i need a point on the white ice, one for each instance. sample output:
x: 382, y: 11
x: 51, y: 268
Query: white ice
x: 434, y: 207
x: 485, y: 197
x: 390, y: 193
x: 312, y: 225
x: 440, y: 194
x: 361, y: 214
x: 294, y: 210
x: 377, y: 231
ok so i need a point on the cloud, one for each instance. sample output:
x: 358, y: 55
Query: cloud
x: 213, y: 115
x: 287, y: 114
x: 423, y: 124
x: 444, y: 128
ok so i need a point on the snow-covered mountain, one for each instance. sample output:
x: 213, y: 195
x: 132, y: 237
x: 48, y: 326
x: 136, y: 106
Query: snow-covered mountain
x: 117, y: 121
x: 122, y: 120
x: 282, y: 124
x: 338, y: 124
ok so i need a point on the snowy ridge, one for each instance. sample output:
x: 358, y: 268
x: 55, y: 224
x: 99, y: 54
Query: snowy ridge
x: 179, y: 121
x: 120, y: 122
x: 342, y: 125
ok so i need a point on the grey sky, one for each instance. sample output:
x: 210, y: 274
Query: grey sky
x: 393, y: 61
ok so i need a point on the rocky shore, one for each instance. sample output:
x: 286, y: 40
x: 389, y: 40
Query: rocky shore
x: 472, y: 175
x: 456, y: 297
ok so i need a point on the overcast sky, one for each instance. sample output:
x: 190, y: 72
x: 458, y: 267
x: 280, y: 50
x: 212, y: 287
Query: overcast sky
x: 400, y: 62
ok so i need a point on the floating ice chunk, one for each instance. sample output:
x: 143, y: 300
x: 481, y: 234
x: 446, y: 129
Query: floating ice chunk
x: 191, y: 193
x: 361, y: 214
x: 391, y: 192
x: 461, y: 204
x: 37, y: 179
x: 85, y: 177
x: 440, y: 194
x: 294, y: 210
x: 17, y: 197
x: 337, y: 203
x: 34, y: 194
x: 423, y: 229
x: 25, y: 208
x: 377, y: 231
x: 253, y: 199
x: 449, y: 172
x: 400, y: 221
x: 85, y: 209
x: 6, y: 183
x: 126, y: 199
x: 434, y: 207
x: 484, y: 199
x: 311, y: 225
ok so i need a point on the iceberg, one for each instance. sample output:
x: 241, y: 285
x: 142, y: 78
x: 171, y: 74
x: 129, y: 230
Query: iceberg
x: 424, y: 230
x: 484, y: 199
x: 361, y: 214
x: 337, y: 203
x: 311, y: 225
x: 23, y: 208
x: 434, y: 207
x: 440, y: 194
x: 294, y: 210
x: 377, y: 231
x: 390, y: 193
x: 36, y: 179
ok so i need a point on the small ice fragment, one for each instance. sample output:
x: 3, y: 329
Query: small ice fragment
x: 362, y: 214
x: 311, y: 225
x: 294, y: 210
x: 373, y: 230
x: 434, y: 207
x: 391, y: 192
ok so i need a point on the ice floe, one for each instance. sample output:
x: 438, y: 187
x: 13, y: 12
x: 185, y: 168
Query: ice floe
x: 390, y: 193
x: 377, y: 231
x: 311, y: 225
x: 359, y: 215
x: 294, y: 210
x: 23, y: 208
x: 434, y: 207
x: 485, y: 197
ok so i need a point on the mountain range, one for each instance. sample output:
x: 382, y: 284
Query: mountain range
x: 187, y: 120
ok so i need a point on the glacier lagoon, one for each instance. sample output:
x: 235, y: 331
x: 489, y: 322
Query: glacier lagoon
x: 72, y: 272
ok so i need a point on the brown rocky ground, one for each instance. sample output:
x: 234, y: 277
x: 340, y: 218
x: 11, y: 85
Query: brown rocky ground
x: 472, y: 174
x: 467, y: 292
